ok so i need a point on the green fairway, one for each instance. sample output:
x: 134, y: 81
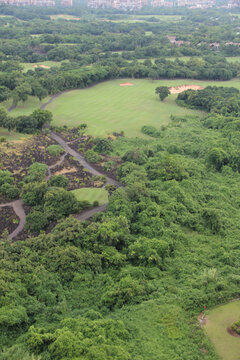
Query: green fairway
x: 46, y: 64
x: 31, y: 104
x: 109, y: 107
x: 218, y: 320
x: 91, y: 195
x: 187, y: 58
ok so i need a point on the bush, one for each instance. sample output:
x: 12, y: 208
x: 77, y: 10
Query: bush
x: 103, y: 146
x: 59, y: 181
x: 37, y: 172
x: 33, y: 193
x: 92, y: 157
x: 151, y: 131
x: 11, y: 191
x: 36, y: 221
x: 2, y: 139
x: 55, y: 150
x: 95, y: 203
x: 136, y: 156
x: 6, y: 177
x: 59, y: 203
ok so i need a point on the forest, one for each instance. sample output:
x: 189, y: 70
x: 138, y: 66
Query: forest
x: 128, y: 281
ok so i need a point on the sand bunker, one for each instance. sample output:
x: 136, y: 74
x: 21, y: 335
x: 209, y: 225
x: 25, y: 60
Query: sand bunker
x: 179, y: 89
x: 126, y: 84
x: 42, y: 66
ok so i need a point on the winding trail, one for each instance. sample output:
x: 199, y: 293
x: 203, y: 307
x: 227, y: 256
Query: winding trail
x: 84, y: 215
x: 81, y: 159
x: 19, y: 211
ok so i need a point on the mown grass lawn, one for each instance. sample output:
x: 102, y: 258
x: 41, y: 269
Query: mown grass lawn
x: 31, y: 66
x: 219, y: 319
x: 91, y: 195
x: 108, y: 107
x: 25, y: 109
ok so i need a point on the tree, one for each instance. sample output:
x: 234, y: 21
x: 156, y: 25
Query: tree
x: 39, y: 91
x: 162, y: 91
x: 4, y: 93
x: 59, y: 203
x: 21, y: 93
x: 3, y: 116
x: 42, y: 117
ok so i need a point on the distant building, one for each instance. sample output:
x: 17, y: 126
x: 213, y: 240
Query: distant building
x: 116, y: 4
x: 173, y: 41
x: 29, y: 2
x: 66, y: 2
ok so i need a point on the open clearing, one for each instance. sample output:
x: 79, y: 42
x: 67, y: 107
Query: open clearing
x: 218, y: 320
x: 43, y: 64
x: 64, y: 17
x: 13, y: 136
x: 91, y: 195
x: 108, y: 107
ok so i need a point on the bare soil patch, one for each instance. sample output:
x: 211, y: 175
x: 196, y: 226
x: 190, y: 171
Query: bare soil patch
x: 179, y: 89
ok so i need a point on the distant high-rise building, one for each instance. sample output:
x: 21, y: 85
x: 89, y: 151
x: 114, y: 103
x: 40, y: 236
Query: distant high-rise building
x: 66, y: 2
x: 29, y: 2
x: 116, y: 4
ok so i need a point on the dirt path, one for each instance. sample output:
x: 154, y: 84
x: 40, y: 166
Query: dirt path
x: 81, y: 159
x: 87, y: 214
x: 18, y: 208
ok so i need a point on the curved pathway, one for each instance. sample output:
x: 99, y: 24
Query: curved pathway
x: 81, y: 159
x: 87, y: 214
x: 19, y: 211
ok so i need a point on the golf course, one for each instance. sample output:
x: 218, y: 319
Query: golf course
x: 217, y: 322
x: 108, y: 107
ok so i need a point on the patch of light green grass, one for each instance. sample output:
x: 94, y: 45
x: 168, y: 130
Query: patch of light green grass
x: 109, y: 107
x: 219, y: 319
x: 91, y: 195
x: 13, y: 136
x: 25, y: 109
x: 31, y: 66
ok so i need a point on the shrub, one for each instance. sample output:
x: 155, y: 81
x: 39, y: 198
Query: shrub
x: 11, y: 191
x: 59, y: 203
x: 37, y: 172
x: 2, y: 139
x: 109, y: 165
x: 33, y: 193
x: 92, y: 157
x: 55, y: 150
x: 136, y: 156
x: 103, y: 146
x: 59, y: 181
x: 36, y: 221
x: 151, y: 131
x: 6, y: 177
x: 95, y: 203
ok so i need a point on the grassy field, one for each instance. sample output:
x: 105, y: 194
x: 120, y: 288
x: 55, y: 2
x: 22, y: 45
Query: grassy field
x: 31, y: 104
x: 219, y: 319
x: 13, y: 136
x: 141, y: 18
x: 30, y: 66
x: 108, y: 107
x: 64, y: 17
x: 187, y: 58
x: 91, y: 195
